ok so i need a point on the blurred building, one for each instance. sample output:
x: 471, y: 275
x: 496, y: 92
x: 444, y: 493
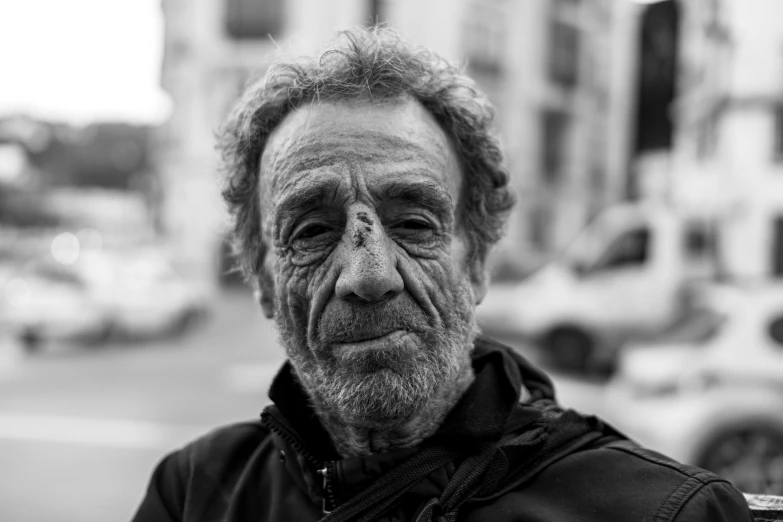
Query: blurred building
x: 727, y: 155
x: 563, y: 92
x: 560, y: 72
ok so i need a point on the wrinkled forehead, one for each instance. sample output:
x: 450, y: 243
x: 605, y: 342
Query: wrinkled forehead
x: 360, y: 142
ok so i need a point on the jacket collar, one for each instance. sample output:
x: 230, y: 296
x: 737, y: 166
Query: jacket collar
x: 481, y: 415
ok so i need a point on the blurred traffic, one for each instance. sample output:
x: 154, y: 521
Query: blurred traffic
x: 709, y: 389
x: 692, y: 353
x: 642, y: 265
x: 628, y: 274
x: 133, y: 295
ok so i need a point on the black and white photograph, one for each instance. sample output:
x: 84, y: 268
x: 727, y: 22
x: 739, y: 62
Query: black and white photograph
x: 391, y: 260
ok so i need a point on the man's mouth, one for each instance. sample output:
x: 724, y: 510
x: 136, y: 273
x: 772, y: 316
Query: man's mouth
x: 373, y: 340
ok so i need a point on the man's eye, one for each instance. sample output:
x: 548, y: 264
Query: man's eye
x: 311, y: 231
x: 415, y: 224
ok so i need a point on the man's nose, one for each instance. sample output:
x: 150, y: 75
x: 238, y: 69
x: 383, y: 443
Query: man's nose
x: 369, y: 270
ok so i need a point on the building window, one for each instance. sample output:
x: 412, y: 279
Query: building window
x: 779, y: 133
x: 707, y: 138
x: 657, y: 73
x: 540, y: 226
x: 597, y: 179
x: 700, y: 241
x: 484, y: 39
x: 554, y: 130
x: 377, y: 11
x: 777, y: 247
x: 563, y: 54
x: 775, y: 330
x: 254, y: 19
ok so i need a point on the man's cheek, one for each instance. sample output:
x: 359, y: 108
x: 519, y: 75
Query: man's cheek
x: 291, y: 288
x: 435, y: 276
x: 443, y: 279
x: 298, y: 286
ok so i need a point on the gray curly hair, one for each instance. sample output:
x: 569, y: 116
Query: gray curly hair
x: 365, y: 63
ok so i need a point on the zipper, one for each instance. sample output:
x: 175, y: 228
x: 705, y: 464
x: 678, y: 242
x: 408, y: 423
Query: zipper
x: 324, y: 468
x: 326, y: 473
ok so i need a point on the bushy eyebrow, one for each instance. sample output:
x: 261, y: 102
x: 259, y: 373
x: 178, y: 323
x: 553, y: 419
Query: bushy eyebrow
x: 431, y: 196
x: 304, y: 196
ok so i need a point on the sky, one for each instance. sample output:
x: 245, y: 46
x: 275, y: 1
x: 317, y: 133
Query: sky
x: 82, y: 61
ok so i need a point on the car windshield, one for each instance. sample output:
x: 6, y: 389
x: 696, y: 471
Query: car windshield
x: 607, y: 242
x: 585, y: 248
x: 696, y: 326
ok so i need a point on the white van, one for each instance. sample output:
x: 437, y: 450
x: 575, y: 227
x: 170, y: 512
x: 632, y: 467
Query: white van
x: 625, y: 276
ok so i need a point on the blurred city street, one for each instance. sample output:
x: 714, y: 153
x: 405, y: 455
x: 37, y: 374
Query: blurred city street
x: 82, y: 428
x: 644, y: 258
x: 77, y: 422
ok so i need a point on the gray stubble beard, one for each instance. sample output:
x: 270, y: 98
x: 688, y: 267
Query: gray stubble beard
x: 412, y: 385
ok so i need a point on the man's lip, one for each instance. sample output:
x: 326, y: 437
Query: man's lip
x: 383, y: 337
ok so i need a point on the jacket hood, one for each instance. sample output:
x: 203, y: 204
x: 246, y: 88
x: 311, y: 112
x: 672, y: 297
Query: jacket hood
x: 510, y: 405
x: 503, y: 379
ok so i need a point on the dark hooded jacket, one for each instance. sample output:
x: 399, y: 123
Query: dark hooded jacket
x: 505, y: 452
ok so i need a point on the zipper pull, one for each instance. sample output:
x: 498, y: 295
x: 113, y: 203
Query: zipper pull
x: 328, y: 501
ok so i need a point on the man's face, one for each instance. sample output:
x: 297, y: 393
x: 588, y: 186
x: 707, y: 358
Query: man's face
x: 370, y: 279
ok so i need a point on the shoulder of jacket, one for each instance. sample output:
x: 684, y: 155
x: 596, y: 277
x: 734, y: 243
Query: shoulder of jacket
x: 686, y: 471
x: 614, y: 480
x: 692, y: 491
x: 223, y: 445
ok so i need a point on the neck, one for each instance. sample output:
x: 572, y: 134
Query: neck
x: 353, y: 439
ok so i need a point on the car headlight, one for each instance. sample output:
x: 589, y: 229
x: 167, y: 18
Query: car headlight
x: 696, y: 382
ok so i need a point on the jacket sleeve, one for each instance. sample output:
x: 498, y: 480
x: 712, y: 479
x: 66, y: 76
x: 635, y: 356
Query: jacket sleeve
x: 165, y: 495
x: 716, y: 501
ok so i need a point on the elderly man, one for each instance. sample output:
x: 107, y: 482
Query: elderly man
x: 366, y: 189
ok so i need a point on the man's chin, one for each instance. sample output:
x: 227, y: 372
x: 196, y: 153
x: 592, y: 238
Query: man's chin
x: 383, y: 397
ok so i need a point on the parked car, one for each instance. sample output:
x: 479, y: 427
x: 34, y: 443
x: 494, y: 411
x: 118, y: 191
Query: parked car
x: 130, y: 295
x: 625, y: 277
x: 45, y: 303
x: 710, y: 391
x: 142, y: 294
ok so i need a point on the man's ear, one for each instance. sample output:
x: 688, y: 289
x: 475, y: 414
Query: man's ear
x: 479, y: 279
x: 266, y: 302
x: 264, y: 295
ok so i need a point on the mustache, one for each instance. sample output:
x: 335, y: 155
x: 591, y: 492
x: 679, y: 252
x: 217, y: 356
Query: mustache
x: 347, y: 321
